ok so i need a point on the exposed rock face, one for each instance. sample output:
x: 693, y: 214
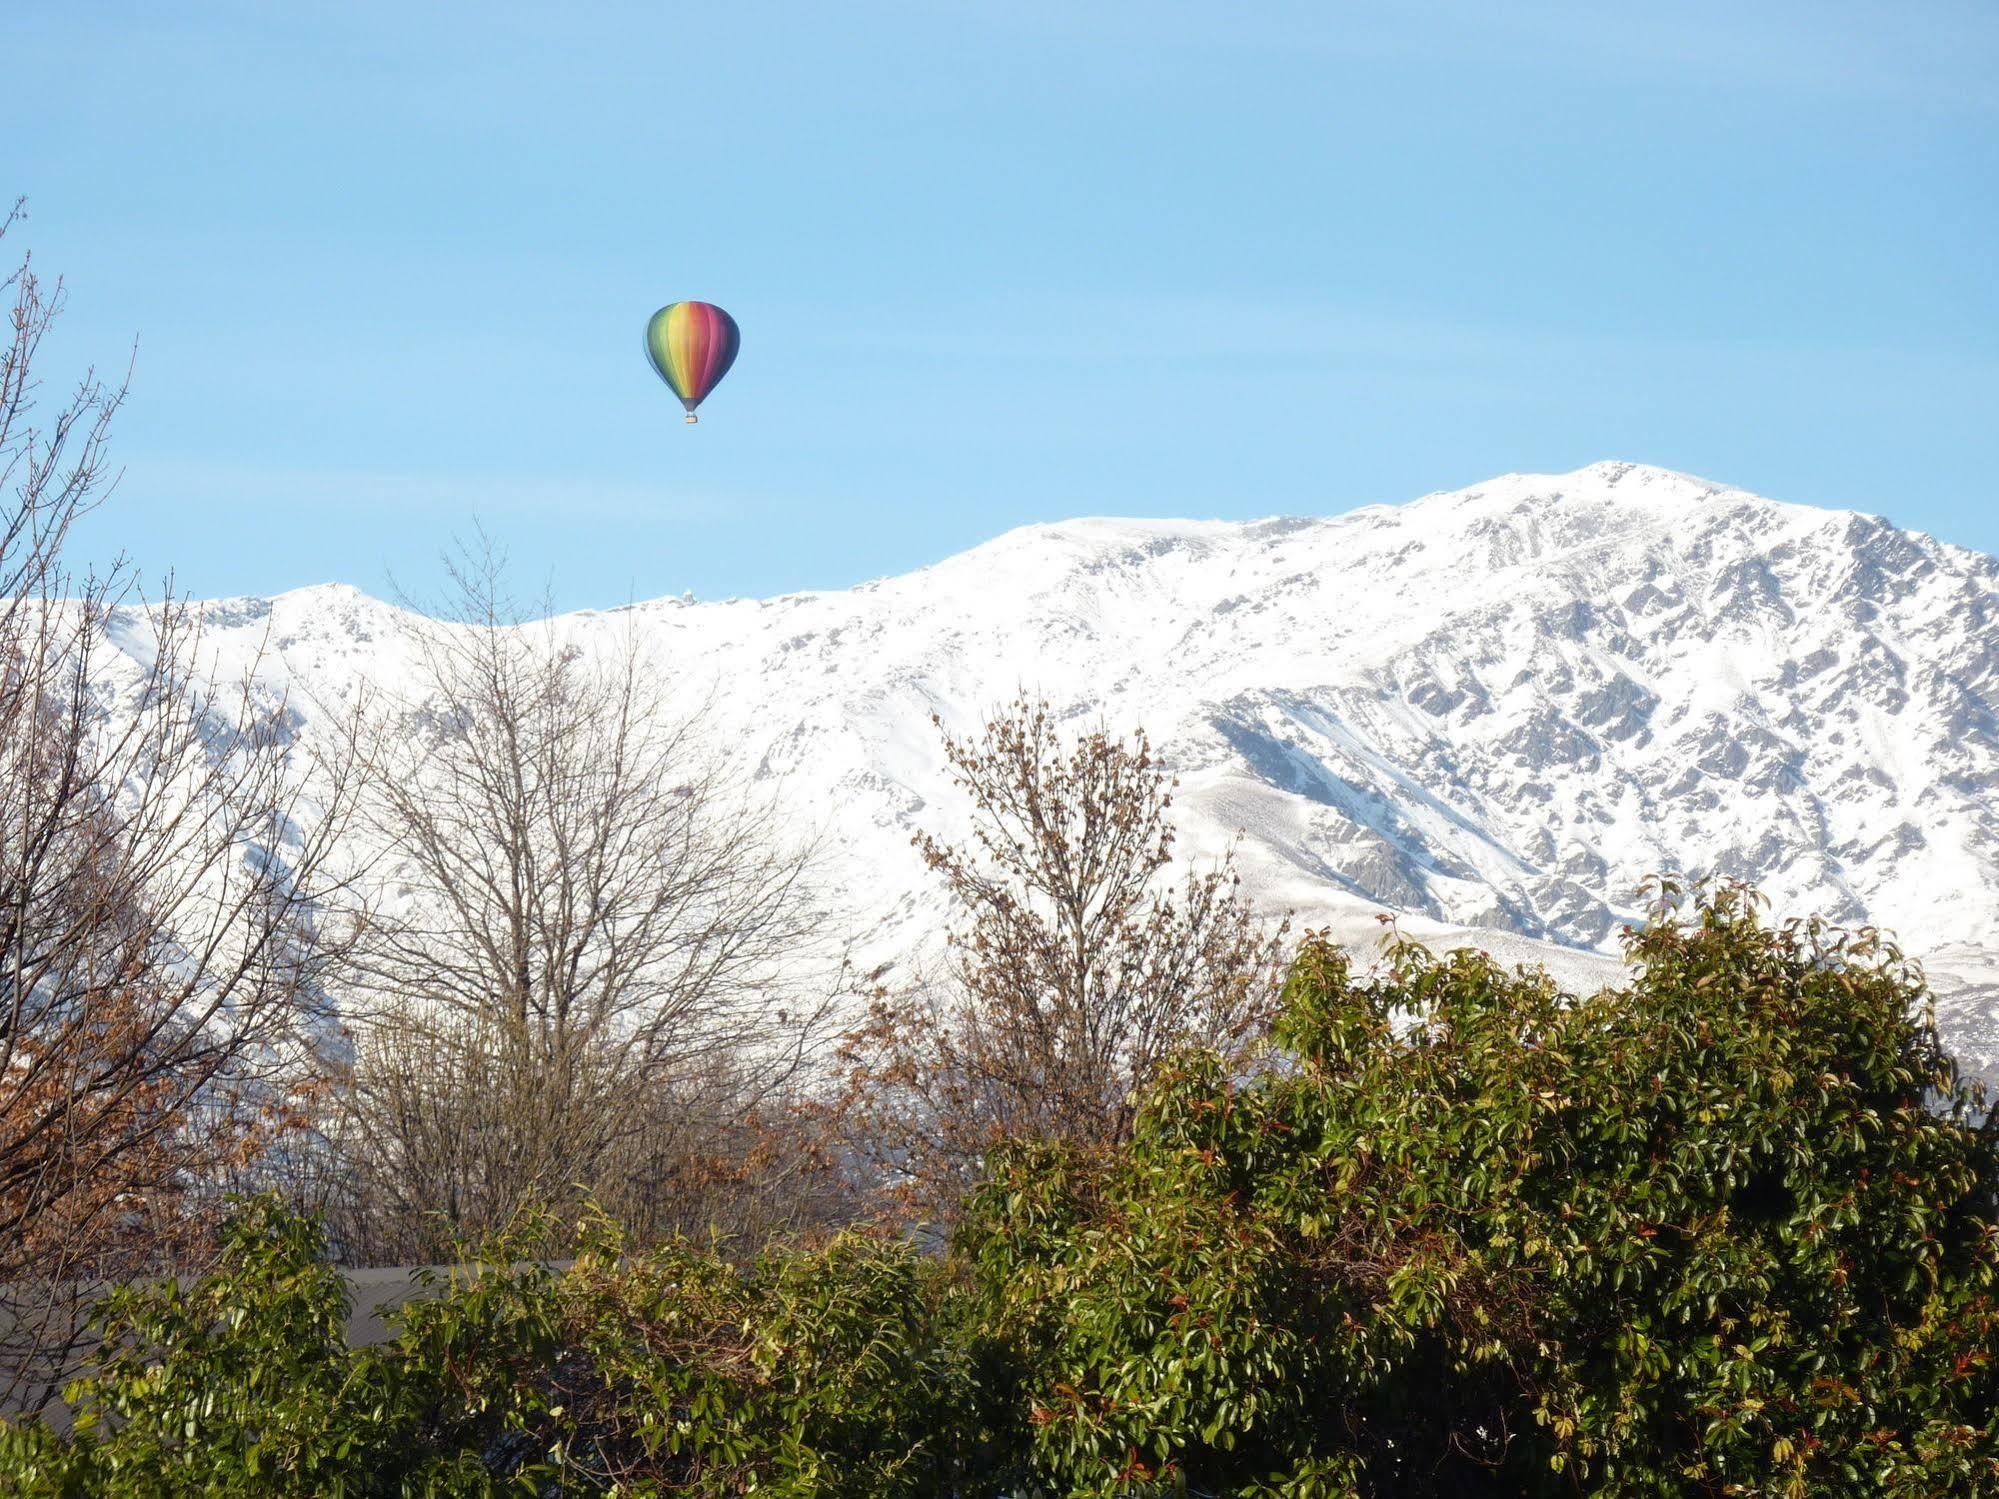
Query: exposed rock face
x: 1498, y: 708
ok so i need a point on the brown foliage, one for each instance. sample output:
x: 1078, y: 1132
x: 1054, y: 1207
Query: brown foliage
x: 1077, y: 966
x: 159, y: 966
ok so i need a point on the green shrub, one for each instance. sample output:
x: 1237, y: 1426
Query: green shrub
x: 239, y: 1384
x: 817, y: 1373
x: 1727, y: 1230
x: 813, y: 1373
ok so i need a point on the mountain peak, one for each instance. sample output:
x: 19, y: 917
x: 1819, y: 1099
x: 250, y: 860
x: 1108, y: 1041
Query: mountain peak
x: 1493, y: 710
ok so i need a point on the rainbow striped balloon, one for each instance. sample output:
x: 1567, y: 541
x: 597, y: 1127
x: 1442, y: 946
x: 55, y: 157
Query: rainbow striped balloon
x: 692, y: 345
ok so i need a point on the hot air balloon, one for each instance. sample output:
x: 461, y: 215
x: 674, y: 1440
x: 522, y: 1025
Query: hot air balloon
x: 692, y: 345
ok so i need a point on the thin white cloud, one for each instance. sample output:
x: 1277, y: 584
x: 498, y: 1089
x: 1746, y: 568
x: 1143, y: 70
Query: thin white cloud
x: 1938, y: 53
x: 1169, y: 329
x: 224, y: 485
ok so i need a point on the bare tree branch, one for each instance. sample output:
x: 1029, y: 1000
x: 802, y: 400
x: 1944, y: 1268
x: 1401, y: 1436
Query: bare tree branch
x: 589, y: 954
x: 1077, y: 968
x: 160, y: 960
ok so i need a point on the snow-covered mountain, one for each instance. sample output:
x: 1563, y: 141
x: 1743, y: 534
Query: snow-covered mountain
x: 1496, y: 709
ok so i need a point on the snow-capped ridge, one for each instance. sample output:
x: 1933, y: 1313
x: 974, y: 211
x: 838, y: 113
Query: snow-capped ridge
x: 1493, y: 709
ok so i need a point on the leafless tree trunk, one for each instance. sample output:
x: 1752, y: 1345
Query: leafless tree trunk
x: 1077, y: 968
x: 587, y: 952
x: 159, y: 962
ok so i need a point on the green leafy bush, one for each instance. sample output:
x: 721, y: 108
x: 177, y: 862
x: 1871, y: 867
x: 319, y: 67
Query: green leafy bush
x: 813, y: 1373
x: 1729, y: 1229
x: 241, y: 1383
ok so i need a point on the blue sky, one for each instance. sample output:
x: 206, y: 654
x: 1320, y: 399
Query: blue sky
x: 387, y: 266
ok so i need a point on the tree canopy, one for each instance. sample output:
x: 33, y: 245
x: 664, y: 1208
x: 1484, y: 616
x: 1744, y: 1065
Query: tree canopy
x: 1727, y: 1229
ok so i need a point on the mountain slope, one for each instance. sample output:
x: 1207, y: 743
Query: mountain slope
x: 1494, y: 709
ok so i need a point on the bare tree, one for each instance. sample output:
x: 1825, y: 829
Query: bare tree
x: 588, y: 955
x: 1077, y: 965
x: 159, y: 961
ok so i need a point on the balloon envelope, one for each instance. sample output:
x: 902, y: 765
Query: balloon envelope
x: 692, y: 345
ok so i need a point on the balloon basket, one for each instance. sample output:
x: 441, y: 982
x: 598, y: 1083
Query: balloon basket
x: 692, y: 418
